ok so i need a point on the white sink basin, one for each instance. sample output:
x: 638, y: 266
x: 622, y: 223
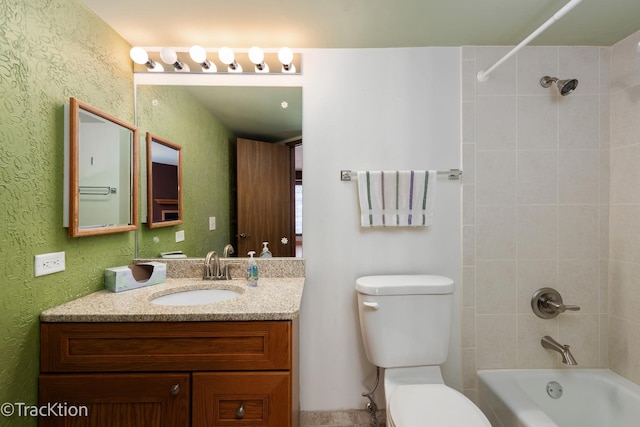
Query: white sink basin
x: 196, y: 297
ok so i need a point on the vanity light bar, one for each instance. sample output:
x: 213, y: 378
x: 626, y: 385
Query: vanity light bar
x: 199, y: 60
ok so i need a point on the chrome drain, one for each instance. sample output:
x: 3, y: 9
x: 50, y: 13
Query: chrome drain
x: 554, y: 390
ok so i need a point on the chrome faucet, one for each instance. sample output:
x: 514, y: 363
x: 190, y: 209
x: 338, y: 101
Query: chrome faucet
x: 228, y: 250
x: 214, y: 269
x: 211, y: 270
x: 551, y: 344
x: 547, y: 303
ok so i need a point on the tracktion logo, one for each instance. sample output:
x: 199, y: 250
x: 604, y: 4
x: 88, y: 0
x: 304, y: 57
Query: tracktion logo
x: 52, y: 409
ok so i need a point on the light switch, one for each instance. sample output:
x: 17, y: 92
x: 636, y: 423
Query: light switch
x: 212, y: 223
x: 179, y: 236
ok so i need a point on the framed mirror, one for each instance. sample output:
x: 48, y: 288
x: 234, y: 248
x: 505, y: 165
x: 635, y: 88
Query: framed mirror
x: 164, y: 182
x: 101, y: 172
x: 208, y: 120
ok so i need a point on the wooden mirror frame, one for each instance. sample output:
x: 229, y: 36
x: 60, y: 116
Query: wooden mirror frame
x: 150, y: 199
x: 75, y: 106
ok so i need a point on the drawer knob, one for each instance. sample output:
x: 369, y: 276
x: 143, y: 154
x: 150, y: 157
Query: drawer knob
x: 175, y: 389
x: 240, y: 412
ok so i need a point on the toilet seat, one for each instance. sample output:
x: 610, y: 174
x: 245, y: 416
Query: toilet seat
x: 421, y: 405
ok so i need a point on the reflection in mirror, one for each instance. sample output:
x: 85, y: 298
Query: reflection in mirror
x: 101, y: 172
x: 207, y: 120
x: 164, y: 182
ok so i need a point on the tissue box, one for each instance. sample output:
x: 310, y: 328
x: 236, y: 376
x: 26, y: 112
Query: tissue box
x: 134, y: 276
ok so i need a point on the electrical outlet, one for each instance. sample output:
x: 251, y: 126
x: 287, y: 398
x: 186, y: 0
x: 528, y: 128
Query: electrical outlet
x: 179, y: 236
x: 212, y: 223
x: 49, y: 263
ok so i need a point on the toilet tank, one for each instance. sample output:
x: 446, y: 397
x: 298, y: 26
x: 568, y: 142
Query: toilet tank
x: 405, y: 320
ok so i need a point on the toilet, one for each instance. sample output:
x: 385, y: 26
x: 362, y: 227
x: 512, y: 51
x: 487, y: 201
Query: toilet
x: 405, y: 322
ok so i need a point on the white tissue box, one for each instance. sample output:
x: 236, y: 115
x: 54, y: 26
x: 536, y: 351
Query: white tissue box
x: 134, y: 276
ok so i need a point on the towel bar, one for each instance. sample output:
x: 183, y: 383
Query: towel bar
x: 97, y: 190
x: 453, y: 174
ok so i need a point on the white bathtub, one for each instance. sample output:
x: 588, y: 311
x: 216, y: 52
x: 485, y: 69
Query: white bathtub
x: 590, y: 398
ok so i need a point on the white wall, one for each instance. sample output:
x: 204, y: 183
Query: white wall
x: 371, y: 109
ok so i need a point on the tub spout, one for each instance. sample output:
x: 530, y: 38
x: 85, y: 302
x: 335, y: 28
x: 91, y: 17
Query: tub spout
x: 551, y: 344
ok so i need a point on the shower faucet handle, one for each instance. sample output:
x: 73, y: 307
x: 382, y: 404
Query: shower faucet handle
x: 561, y: 307
x: 546, y: 303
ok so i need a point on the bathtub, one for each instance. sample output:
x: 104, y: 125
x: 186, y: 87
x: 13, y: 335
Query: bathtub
x: 581, y: 398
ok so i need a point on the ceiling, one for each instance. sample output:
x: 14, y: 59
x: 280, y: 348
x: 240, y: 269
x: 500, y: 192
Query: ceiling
x: 255, y: 112
x: 302, y: 24
x: 364, y: 23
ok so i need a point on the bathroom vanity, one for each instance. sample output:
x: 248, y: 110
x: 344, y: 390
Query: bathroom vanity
x: 221, y: 364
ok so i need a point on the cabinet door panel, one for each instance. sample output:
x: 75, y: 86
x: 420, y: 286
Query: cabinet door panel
x: 118, y: 400
x: 256, y: 399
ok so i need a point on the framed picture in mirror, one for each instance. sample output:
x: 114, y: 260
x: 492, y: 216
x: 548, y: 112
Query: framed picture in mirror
x: 164, y: 182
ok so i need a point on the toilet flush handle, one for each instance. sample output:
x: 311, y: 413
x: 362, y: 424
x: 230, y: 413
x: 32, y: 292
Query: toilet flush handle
x: 372, y: 305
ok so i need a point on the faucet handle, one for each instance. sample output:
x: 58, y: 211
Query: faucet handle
x: 560, y: 307
x: 546, y: 303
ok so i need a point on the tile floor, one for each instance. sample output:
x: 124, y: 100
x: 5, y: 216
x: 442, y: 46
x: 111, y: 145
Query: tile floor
x: 354, y: 418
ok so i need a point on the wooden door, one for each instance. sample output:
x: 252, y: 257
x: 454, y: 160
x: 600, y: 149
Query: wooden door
x: 122, y: 400
x: 265, y: 198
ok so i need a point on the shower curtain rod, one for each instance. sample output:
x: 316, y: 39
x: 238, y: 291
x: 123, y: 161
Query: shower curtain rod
x: 483, y: 76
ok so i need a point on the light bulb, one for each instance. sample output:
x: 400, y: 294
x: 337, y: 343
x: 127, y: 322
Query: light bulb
x: 139, y: 55
x: 198, y: 54
x: 226, y: 56
x: 168, y: 56
x: 256, y: 55
x: 285, y: 56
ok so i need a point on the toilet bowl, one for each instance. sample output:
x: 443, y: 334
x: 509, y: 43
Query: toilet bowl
x: 432, y: 405
x: 418, y: 397
x: 405, y: 323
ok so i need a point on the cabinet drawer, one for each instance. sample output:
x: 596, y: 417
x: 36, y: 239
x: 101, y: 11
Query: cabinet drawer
x: 165, y: 346
x: 258, y: 399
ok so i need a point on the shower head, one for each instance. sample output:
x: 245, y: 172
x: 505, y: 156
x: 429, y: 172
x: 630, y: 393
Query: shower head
x: 564, y: 86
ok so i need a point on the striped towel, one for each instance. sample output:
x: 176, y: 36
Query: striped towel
x: 396, y: 198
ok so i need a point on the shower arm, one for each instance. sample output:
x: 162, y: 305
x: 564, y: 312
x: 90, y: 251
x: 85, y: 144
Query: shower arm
x: 483, y: 76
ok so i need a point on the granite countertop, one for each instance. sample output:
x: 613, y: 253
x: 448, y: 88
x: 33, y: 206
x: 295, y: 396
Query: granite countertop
x: 273, y: 299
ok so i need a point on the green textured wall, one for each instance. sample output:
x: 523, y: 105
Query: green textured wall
x: 171, y: 113
x: 50, y: 50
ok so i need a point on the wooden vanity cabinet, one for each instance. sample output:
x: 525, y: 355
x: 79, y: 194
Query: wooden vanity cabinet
x: 171, y: 374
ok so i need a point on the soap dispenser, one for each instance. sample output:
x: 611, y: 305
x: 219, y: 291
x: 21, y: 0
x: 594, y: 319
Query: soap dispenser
x: 266, y: 253
x: 252, y: 270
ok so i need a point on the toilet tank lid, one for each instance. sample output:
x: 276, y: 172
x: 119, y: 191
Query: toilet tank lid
x: 408, y: 284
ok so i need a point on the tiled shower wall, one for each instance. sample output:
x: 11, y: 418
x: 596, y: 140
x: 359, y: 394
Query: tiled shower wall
x: 535, y: 206
x: 624, y: 266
